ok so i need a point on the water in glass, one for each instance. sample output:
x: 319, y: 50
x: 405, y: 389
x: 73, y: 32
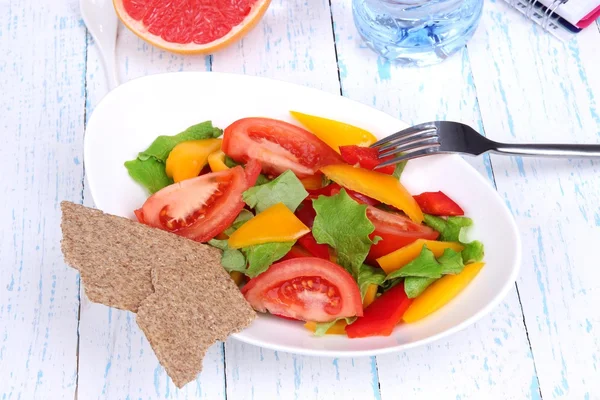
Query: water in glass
x: 416, y: 32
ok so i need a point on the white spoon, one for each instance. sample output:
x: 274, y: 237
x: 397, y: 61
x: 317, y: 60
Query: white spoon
x: 101, y: 20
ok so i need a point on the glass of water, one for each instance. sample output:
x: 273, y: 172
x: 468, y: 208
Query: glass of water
x: 416, y: 32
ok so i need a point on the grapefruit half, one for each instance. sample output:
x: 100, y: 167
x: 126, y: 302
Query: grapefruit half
x: 190, y: 26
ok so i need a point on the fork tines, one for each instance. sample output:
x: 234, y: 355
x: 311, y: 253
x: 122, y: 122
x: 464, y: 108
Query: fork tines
x: 416, y: 141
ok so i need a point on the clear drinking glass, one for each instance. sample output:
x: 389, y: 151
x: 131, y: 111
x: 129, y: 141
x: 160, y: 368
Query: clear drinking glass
x: 416, y: 32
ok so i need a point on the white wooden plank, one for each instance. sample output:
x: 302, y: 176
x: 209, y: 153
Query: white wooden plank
x: 115, y: 359
x: 42, y: 71
x: 493, y: 357
x: 534, y: 88
x: 294, y: 42
x: 257, y: 373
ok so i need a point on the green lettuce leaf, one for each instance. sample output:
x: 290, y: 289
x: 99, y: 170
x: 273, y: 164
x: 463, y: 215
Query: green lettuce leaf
x: 415, y: 285
x: 369, y: 276
x: 148, y: 169
x: 425, y: 265
x: 162, y: 145
x: 450, y: 228
x: 230, y: 162
x: 261, y: 256
x: 231, y: 260
x: 342, y: 223
x: 451, y: 262
x: 261, y: 180
x: 399, y: 169
x: 241, y: 219
x: 473, y: 252
x: 387, y: 285
x: 286, y: 189
x: 322, y: 327
x: 149, y: 173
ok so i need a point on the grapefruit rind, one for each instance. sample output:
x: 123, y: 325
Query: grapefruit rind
x: 236, y: 33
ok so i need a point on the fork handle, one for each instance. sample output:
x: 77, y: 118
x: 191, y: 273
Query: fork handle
x: 548, y: 150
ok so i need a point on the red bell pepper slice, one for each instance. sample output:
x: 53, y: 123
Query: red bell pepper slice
x: 296, y: 252
x: 306, y: 213
x: 333, y: 189
x: 437, y: 203
x: 366, y: 157
x: 380, y: 318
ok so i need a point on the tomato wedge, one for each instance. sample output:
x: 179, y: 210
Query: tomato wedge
x: 278, y: 146
x: 437, y: 203
x: 308, y: 289
x: 366, y: 157
x: 382, y: 315
x: 200, y: 208
x: 396, y: 231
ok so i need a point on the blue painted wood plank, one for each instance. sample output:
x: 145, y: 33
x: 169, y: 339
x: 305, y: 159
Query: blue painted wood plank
x: 534, y: 88
x: 42, y: 73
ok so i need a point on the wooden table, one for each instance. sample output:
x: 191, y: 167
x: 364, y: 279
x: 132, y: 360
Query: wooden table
x: 513, y: 82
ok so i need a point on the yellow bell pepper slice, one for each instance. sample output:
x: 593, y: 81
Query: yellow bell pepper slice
x: 216, y: 161
x: 187, y: 159
x: 335, y: 133
x: 313, y: 182
x: 370, y: 295
x: 399, y: 258
x: 385, y: 188
x: 237, y: 277
x: 339, y: 328
x: 440, y: 293
x: 276, y: 224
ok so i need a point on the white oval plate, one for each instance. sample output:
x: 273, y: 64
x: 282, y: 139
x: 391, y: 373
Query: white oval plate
x: 129, y: 118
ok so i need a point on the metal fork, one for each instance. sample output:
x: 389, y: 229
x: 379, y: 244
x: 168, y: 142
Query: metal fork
x: 453, y: 137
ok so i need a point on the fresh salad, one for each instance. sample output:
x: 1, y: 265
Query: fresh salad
x: 309, y: 229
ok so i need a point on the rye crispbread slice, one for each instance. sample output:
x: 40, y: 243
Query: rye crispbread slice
x: 189, y: 311
x: 185, y: 300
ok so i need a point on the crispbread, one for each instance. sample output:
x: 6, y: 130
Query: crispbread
x: 189, y: 311
x: 184, y: 299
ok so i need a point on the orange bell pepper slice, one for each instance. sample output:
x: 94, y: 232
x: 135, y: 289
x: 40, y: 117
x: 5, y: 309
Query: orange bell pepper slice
x: 216, y: 161
x: 440, y: 293
x: 276, y: 224
x: 399, y: 258
x: 187, y: 159
x: 313, y: 182
x: 385, y: 188
x: 335, y: 133
x: 370, y: 295
x: 339, y: 328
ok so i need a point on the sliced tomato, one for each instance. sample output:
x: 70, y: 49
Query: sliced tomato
x: 437, y: 203
x: 395, y: 231
x: 308, y: 289
x: 382, y: 315
x: 296, y: 252
x: 200, y: 208
x: 278, y: 146
x: 306, y: 213
x: 366, y: 157
x: 252, y: 170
